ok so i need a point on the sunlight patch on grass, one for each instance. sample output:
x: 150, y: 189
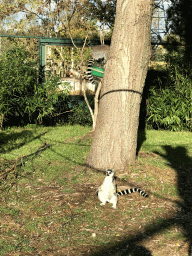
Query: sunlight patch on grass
x: 156, y: 139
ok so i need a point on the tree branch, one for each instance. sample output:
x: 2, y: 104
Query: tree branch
x: 96, y: 106
x: 21, y: 158
x: 86, y: 100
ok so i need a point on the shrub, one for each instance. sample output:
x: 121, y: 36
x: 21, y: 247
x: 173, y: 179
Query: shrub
x: 80, y: 113
x: 170, y: 107
x: 169, y: 99
x: 22, y: 94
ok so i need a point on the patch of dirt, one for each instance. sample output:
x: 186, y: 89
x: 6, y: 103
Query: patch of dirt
x: 87, y: 136
x: 147, y: 155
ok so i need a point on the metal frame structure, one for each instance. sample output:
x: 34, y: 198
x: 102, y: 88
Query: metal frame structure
x: 158, y: 28
x: 43, y: 42
x: 46, y: 41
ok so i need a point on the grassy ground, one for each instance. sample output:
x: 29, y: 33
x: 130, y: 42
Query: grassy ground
x: 49, y: 206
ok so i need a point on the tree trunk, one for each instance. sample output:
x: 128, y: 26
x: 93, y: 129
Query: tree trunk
x: 115, y: 138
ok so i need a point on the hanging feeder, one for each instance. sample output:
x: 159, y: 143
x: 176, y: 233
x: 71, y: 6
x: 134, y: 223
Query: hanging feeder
x: 96, y: 71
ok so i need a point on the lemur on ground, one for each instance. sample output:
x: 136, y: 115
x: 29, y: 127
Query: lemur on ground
x: 107, y: 192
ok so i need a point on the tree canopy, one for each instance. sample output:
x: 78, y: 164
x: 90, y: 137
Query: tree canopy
x: 53, y: 18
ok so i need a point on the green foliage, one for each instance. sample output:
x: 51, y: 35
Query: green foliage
x: 81, y: 114
x: 169, y: 106
x: 17, y: 78
x: 47, y: 95
x: 67, y: 55
x: 103, y: 11
x: 52, y: 20
x: 169, y: 109
x: 21, y: 92
x: 60, y: 112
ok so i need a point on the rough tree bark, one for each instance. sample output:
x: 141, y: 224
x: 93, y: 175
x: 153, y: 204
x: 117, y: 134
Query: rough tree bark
x: 115, y: 138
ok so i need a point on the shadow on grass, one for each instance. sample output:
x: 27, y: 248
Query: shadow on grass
x: 8, y: 141
x: 182, y: 163
x: 82, y: 143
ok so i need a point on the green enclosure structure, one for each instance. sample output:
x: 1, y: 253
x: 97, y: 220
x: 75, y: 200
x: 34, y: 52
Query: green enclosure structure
x: 45, y: 41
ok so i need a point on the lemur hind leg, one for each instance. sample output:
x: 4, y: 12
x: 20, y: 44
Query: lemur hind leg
x: 114, y: 201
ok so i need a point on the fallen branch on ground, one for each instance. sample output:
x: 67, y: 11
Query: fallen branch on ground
x: 20, y: 159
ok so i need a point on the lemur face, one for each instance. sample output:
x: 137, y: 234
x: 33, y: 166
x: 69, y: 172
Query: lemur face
x: 109, y: 172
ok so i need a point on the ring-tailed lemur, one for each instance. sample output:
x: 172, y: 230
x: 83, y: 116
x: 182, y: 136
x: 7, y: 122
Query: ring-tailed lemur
x: 97, y: 53
x: 107, y: 192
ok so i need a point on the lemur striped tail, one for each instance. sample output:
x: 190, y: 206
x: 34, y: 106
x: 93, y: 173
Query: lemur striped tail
x: 129, y: 191
x: 89, y: 69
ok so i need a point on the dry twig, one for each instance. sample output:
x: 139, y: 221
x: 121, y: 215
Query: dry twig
x: 20, y: 159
